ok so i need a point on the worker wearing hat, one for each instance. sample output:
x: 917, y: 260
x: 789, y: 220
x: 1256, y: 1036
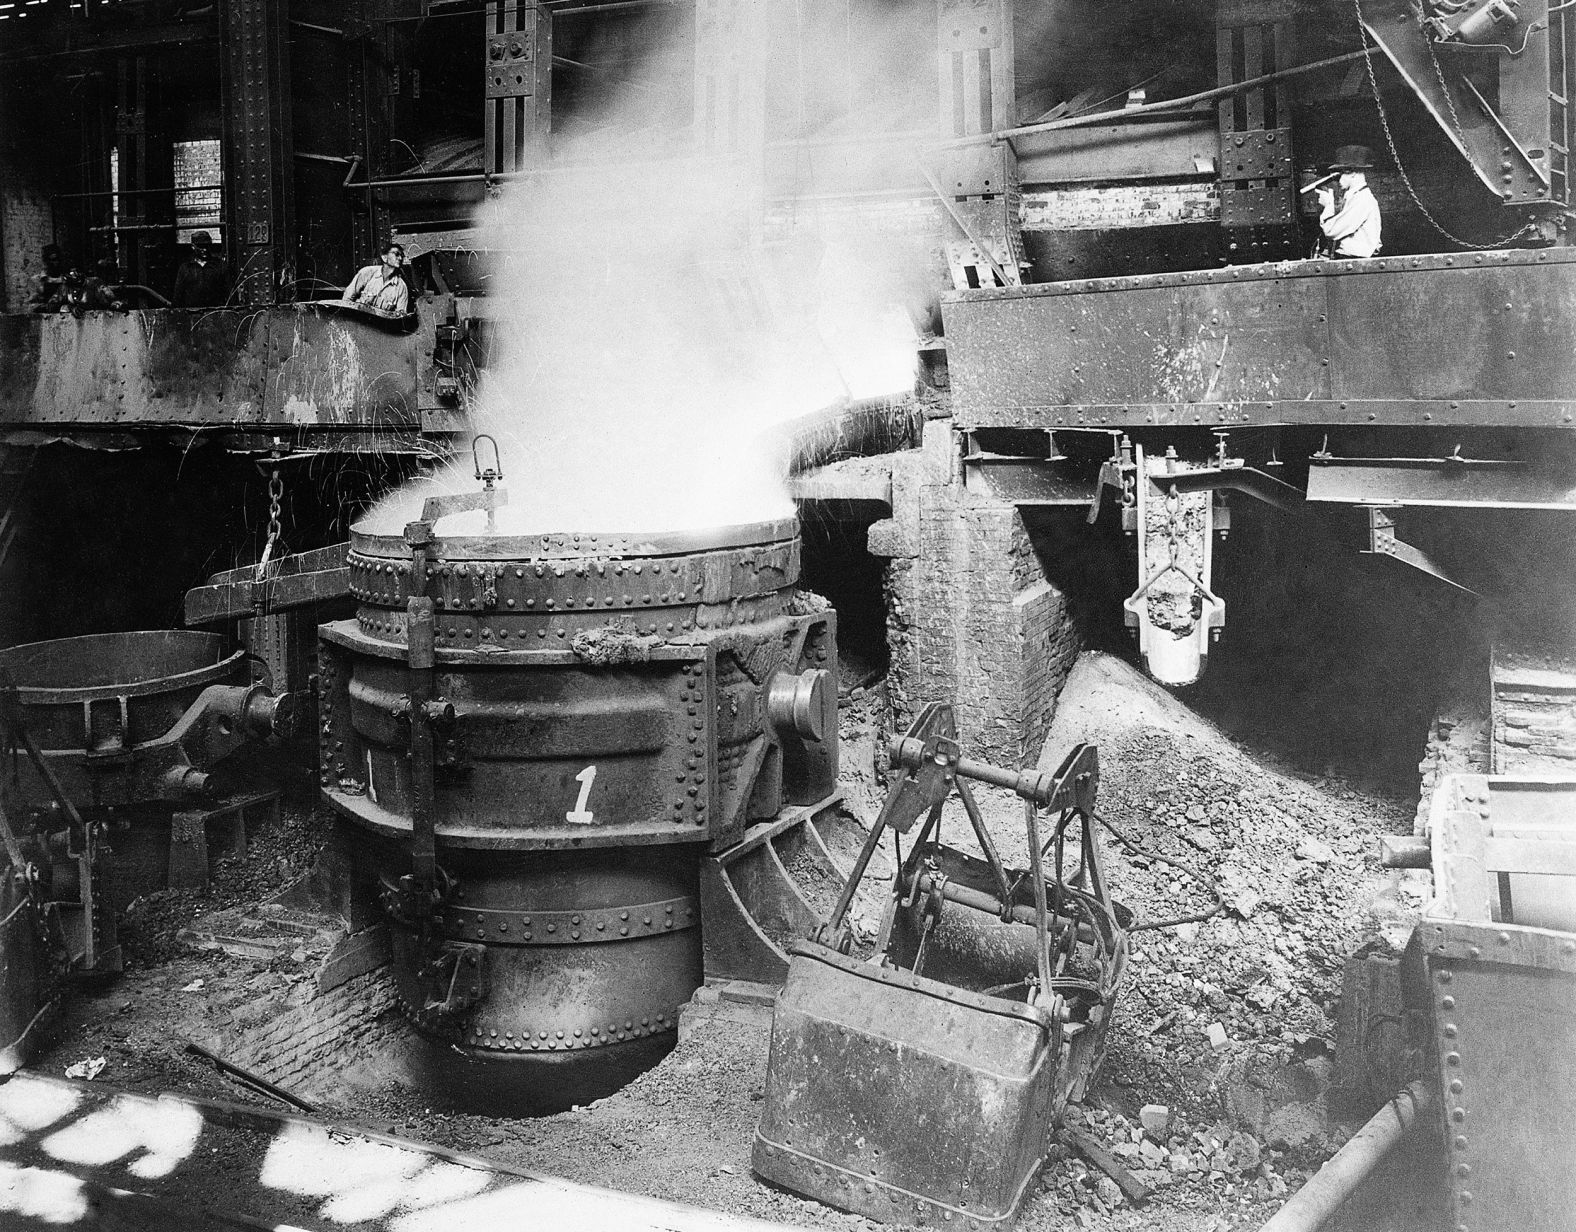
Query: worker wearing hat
x: 201, y: 281
x: 1353, y: 229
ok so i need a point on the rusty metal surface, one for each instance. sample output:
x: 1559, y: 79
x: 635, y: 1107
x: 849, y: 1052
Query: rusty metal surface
x: 1439, y: 483
x: 521, y: 741
x: 283, y: 367
x: 1504, y: 851
x: 304, y: 579
x: 131, y: 718
x: 1159, y: 150
x: 765, y: 893
x: 260, y: 201
x: 675, y: 722
x: 922, y: 1082
x: 1501, y: 1001
x: 1500, y: 995
x: 914, y: 1063
x: 603, y: 709
x: 370, y: 540
x: 25, y: 986
x: 65, y: 684
x: 1498, y: 144
x: 1484, y: 338
x: 1031, y: 481
x: 561, y: 1010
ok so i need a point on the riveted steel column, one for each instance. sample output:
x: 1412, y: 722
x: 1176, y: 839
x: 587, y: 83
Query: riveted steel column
x: 131, y: 151
x: 519, y: 65
x: 730, y: 76
x: 257, y: 147
x: 979, y: 184
x: 1257, y: 203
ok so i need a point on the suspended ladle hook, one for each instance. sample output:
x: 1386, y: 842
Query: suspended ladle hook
x: 494, y: 472
x: 490, y: 475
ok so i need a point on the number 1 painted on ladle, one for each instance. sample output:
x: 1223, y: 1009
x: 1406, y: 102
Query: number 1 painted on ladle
x: 580, y: 814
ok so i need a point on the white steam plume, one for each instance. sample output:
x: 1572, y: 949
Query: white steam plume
x: 650, y: 337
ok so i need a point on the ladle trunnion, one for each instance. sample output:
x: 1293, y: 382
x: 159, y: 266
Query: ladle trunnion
x: 542, y: 738
x: 922, y: 1084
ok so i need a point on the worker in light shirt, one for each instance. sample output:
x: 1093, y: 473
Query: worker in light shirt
x: 380, y: 287
x: 1353, y: 229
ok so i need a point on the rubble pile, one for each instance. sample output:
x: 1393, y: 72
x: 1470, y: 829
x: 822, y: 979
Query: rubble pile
x: 1213, y: 1093
x: 276, y: 855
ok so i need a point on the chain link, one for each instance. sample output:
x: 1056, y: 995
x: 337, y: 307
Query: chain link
x: 276, y: 495
x: 1530, y: 228
x: 276, y: 530
x: 1439, y: 76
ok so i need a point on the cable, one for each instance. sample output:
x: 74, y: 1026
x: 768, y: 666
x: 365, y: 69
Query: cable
x: 1384, y: 123
x: 1204, y: 879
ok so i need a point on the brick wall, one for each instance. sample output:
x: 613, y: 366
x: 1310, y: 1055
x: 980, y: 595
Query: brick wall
x: 1106, y: 207
x: 297, y: 1040
x: 25, y: 221
x: 971, y: 618
x: 1534, y: 715
x: 197, y: 166
x: 24, y: 230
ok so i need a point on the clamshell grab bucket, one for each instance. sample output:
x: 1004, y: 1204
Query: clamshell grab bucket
x: 902, y: 1099
x: 922, y: 1084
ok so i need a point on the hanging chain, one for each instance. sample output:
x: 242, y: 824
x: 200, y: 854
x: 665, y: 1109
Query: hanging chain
x: 276, y: 530
x: 276, y: 494
x: 1439, y: 76
x: 1530, y: 228
x: 1174, y: 522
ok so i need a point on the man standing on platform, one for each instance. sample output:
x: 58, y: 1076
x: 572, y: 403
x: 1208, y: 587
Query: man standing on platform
x: 200, y: 282
x: 1353, y: 229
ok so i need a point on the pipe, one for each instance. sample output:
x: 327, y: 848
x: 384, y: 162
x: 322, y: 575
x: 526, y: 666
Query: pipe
x: 1349, y: 1167
x: 569, y: 10
x: 406, y: 181
x: 248, y: 1078
x: 186, y: 783
x: 1167, y: 104
x: 135, y: 192
x: 989, y: 904
x: 313, y: 26
x: 1405, y: 851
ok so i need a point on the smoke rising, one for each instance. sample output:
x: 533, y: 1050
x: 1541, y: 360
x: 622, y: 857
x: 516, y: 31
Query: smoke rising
x: 653, y: 325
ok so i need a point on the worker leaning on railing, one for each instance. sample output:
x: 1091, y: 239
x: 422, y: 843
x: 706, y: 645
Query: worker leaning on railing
x: 381, y: 286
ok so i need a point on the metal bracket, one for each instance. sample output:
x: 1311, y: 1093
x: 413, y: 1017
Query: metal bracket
x: 511, y: 68
x: 1117, y: 472
x: 1256, y: 154
x: 1382, y: 541
x: 458, y: 973
x: 1238, y: 478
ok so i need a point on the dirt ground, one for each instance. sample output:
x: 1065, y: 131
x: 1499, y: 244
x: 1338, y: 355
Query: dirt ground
x: 1228, y: 1024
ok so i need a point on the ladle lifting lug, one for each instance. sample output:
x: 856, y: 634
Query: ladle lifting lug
x: 459, y: 971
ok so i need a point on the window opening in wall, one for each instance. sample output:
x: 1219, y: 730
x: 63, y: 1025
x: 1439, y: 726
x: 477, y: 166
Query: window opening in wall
x: 199, y: 197
x: 114, y: 195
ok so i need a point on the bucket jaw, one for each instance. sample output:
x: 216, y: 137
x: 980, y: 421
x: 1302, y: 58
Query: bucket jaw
x: 923, y: 1082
